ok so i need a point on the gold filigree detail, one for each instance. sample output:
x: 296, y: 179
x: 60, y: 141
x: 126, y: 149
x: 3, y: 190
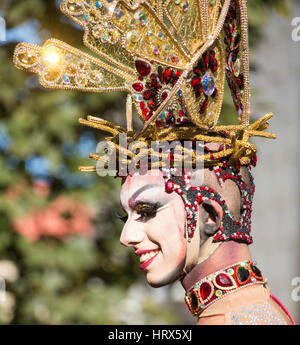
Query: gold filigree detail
x: 61, y: 66
x: 164, y: 34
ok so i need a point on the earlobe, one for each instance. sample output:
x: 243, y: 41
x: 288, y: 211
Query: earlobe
x: 210, y: 217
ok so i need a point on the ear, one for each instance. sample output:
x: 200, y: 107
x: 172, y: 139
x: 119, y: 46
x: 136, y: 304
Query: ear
x: 210, y: 218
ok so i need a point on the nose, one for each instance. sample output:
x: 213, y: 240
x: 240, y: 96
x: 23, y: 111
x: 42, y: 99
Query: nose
x: 131, y: 234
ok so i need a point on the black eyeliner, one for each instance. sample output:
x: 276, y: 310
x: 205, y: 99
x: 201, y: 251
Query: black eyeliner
x: 147, y: 212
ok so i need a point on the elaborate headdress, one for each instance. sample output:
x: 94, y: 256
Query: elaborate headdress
x: 172, y: 57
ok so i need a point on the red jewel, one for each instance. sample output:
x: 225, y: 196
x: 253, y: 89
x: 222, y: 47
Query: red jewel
x: 214, y: 66
x: 181, y: 113
x: 197, y: 70
x: 169, y: 186
x: 152, y: 104
x: 195, y: 81
x: 240, y: 80
x: 138, y: 87
x: 206, y: 58
x: 199, y: 198
x: 205, y: 290
x: 148, y: 94
x: 155, y: 81
x: 212, y: 55
x: 142, y: 67
x: 164, y: 95
x: 167, y: 74
x: 223, y: 280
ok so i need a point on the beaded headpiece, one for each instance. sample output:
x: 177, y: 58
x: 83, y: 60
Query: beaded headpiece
x: 172, y: 58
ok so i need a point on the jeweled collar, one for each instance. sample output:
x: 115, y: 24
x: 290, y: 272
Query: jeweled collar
x: 221, y: 283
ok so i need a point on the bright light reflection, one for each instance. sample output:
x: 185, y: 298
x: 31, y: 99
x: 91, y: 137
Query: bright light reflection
x: 52, y: 55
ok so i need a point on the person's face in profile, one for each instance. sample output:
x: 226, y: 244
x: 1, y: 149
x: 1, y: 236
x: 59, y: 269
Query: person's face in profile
x: 154, y: 227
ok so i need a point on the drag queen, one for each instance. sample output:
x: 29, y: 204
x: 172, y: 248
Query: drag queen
x: 187, y: 187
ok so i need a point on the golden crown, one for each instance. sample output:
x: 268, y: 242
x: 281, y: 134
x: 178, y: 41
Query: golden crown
x: 171, y: 57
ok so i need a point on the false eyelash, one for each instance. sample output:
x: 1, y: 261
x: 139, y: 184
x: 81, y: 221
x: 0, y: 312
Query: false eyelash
x: 147, y: 212
x: 148, y: 206
x: 122, y: 217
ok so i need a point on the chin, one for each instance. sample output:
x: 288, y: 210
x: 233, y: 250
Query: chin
x: 156, y: 281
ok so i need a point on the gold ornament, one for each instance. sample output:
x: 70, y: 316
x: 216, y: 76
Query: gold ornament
x: 172, y: 58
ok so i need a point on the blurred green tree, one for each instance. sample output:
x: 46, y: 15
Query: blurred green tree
x: 59, y: 237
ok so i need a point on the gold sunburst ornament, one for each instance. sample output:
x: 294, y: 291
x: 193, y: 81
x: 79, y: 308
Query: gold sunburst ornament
x: 172, y: 58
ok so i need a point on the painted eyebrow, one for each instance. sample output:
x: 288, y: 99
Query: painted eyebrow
x: 137, y: 193
x: 140, y: 191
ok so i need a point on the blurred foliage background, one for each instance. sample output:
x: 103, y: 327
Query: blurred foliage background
x: 60, y: 254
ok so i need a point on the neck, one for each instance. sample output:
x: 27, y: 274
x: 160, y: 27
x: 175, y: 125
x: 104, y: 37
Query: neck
x: 228, y: 253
